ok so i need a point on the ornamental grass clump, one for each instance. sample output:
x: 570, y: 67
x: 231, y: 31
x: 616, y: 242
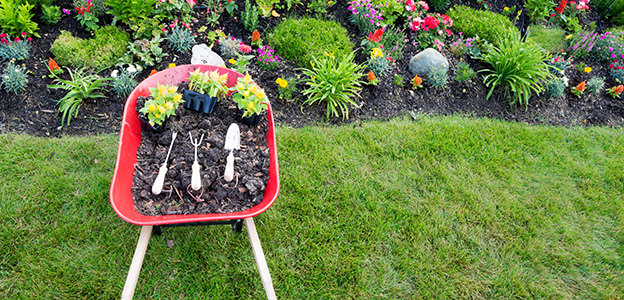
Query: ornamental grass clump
x: 517, y: 68
x: 162, y: 103
x: 335, y: 81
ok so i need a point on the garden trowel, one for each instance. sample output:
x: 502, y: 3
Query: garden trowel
x: 232, y: 142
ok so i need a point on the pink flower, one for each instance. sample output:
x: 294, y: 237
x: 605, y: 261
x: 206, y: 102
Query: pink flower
x: 17, y: 39
x: 3, y: 35
x: 430, y: 23
x: 30, y: 39
x: 24, y: 33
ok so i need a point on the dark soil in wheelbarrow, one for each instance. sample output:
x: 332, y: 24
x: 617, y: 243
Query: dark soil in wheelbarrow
x: 251, y: 164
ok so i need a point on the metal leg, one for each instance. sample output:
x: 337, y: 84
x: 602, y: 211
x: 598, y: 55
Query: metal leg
x: 237, y: 225
x: 263, y: 269
x: 137, y: 262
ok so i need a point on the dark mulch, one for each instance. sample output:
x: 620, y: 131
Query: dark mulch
x: 35, y: 111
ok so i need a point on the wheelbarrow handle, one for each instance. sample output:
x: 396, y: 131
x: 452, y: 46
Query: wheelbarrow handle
x: 137, y: 262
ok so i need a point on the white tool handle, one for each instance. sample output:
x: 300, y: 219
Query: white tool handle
x: 160, y: 180
x: 195, y: 179
x: 229, y: 168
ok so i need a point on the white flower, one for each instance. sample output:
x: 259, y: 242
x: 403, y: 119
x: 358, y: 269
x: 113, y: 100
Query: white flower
x: 114, y: 73
x: 131, y: 69
x: 565, y: 80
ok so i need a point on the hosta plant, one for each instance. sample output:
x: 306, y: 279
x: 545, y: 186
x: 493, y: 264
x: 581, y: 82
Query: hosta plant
x: 335, y: 81
x: 517, y: 68
x: 80, y: 86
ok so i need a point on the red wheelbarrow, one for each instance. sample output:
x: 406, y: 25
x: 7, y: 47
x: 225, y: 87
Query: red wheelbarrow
x: 121, y: 193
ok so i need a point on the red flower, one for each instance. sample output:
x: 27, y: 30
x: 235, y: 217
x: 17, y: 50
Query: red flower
x: 561, y: 6
x: 430, y: 23
x: 376, y: 37
x: 3, y: 35
x: 255, y: 36
x: 17, y: 39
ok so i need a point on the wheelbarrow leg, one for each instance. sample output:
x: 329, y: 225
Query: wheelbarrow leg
x: 137, y: 262
x: 263, y: 269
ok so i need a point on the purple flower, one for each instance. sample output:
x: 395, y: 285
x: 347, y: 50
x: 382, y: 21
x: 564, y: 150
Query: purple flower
x: 610, y: 49
x: 66, y: 11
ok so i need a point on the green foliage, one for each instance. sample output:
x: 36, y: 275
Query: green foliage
x: 100, y: 52
x: 249, y: 97
x: 266, y: 6
x: 146, y: 28
x: 319, y: 7
x: 551, y: 39
x: 393, y: 41
x: 399, y: 80
x: 555, y: 88
x: 287, y: 87
x: 214, y: 11
x: 80, y: 86
x: 14, y: 50
x: 180, y: 39
x: 517, y: 68
x: 145, y: 52
x: 210, y: 83
x: 176, y: 9
x: 15, y: 18
x: 334, y: 80
x: 486, y: 24
x: 301, y: 40
x: 229, y: 46
x: 14, y: 78
x: 249, y: 17
x: 379, y: 65
x: 161, y: 104
x: 51, y: 14
x: 98, y: 9
x: 124, y: 83
x: 130, y: 11
x: 464, y: 72
x: 580, y: 45
x: 538, y: 9
x: 437, y: 77
x: 292, y: 3
x: 595, y: 85
x: 439, y: 5
x: 611, y: 9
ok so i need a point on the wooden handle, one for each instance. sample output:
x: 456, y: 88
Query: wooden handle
x: 196, y: 179
x: 229, y: 168
x: 263, y: 268
x: 160, y: 180
x: 137, y: 262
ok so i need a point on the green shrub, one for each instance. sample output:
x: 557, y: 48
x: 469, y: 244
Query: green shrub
x: 180, y: 39
x: 14, y: 50
x: 249, y: 16
x: 464, y: 72
x: 438, y: 77
x: 100, y: 52
x: 145, y: 52
x: 130, y: 11
x: 439, y: 5
x: 15, y: 18
x: 98, y: 9
x: 124, y: 83
x: 334, y: 80
x: 488, y: 25
x: 555, y: 88
x: 14, y: 78
x: 551, y: 39
x: 538, y: 9
x: 611, y: 9
x: 51, y: 14
x: 518, y: 68
x: 595, y: 85
x: 301, y: 40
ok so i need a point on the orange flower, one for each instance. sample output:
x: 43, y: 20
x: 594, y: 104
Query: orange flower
x: 371, y: 76
x: 255, y: 36
x: 53, y: 65
x: 618, y: 89
x: 417, y: 81
x: 581, y: 87
x: 153, y: 72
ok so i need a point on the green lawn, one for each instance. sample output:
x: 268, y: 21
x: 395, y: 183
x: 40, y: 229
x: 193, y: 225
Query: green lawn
x: 444, y: 208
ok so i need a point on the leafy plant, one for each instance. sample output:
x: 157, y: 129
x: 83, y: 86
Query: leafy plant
x: 286, y: 87
x: 162, y: 103
x: 581, y: 45
x: 538, y: 9
x: 302, y: 39
x: 266, y: 6
x: 213, y: 11
x: 616, y: 91
x: 98, y: 7
x: 438, y: 77
x: 249, y: 17
x: 146, y: 28
x: 124, y: 83
x: 174, y: 9
x: 229, y: 46
x: 147, y: 52
x: 212, y: 83
x: 319, y: 7
x: 378, y: 63
x: 335, y: 81
x: 14, y: 78
x: 399, y: 80
x: 15, y: 18
x: 267, y: 59
x: 439, y: 5
x: 611, y: 9
x: 86, y: 18
x: 230, y: 7
x: 595, y: 85
x: 130, y: 11
x: 555, y: 88
x: 365, y: 14
x: 180, y: 39
x: 51, y: 14
x: 517, y: 68
x: 241, y: 62
x: 249, y: 97
x: 100, y: 52
x: 557, y: 65
x: 292, y: 3
x: 393, y: 41
x: 485, y: 24
x: 79, y: 87
x: 464, y: 72
x: 17, y: 49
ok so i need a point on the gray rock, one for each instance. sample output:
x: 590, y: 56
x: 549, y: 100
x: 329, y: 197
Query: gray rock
x: 423, y: 62
x: 203, y: 55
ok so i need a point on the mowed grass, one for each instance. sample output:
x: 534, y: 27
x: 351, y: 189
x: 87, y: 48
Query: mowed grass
x: 441, y: 208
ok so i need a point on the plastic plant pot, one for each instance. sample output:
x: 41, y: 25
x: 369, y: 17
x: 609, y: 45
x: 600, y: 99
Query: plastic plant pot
x: 130, y: 138
x: 200, y: 102
x: 252, y: 120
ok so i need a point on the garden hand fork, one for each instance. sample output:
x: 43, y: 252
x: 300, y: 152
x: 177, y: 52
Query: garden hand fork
x: 196, y: 178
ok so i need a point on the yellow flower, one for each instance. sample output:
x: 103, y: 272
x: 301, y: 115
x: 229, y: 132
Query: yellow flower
x: 247, y: 78
x: 151, y: 108
x: 251, y: 106
x: 169, y: 105
x: 506, y: 8
x: 161, y: 90
x: 328, y: 54
x: 232, y: 61
x: 260, y: 94
x: 568, y: 37
x: 172, y: 89
x: 587, y: 69
x: 161, y: 109
x: 171, y: 65
x: 254, y: 89
x: 281, y: 82
x: 177, y: 98
x: 223, y: 78
x: 376, y: 53
x: 157, y: 116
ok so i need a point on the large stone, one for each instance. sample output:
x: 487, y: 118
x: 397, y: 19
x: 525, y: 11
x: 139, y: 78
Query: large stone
x: 425, y: 61
x: 203, y: 55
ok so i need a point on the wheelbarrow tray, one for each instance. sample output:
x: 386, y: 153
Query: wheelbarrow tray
x: 130, y: 138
